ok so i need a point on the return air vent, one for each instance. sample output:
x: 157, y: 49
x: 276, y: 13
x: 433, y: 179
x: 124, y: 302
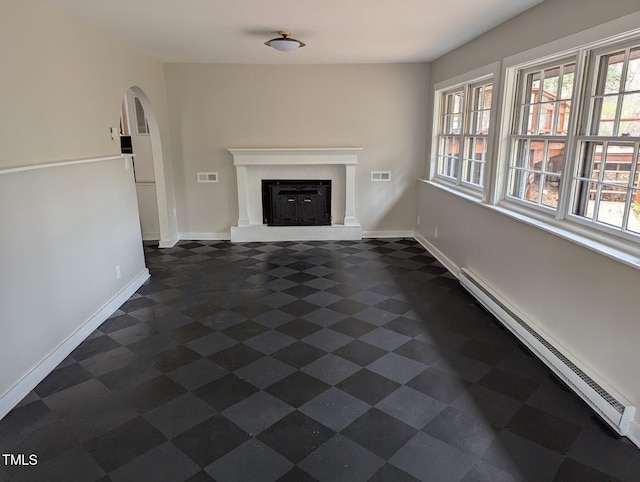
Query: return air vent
x: 207, y: 177
x: 611, y: 406
x: 381, y: 175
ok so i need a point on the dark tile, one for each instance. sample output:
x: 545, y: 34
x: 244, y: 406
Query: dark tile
x: 175, y: 358
x: 225, y: 391
x: 406, y: 326
x: 298, y: 308
x: 136, y: 303
x: 131, y: 375
x: 152, y: 393
x: 297, y: 389
x: 299, y: 328
x: 353, y: 327
x: 94, y: 346
x: 298, y: 354
x: 379, y: 432
x: 495, y: 408
x: 347, y: 307
x: 484, y: 352
x: 257, y: 412
x: 521, y: 458
x: 466, y: 432
x: 391, y: 473
x: 334, y: 408
x: 124, y: 443
x: 428, y: 458
x: 544, y: 429
x: 265, y: 463
x: 368, y: 386
x: 182, y: 413
x: 296, y: 474
x: 189, y: 332
x: 62, y: 378
x: 439, y: 385
x: 236, y: 357
x: 295, y: 436
x: 394, y: 306
x: 118, y: 323
x: 360, y: 352
x: 210, y: 440
x: 419, y: 351
x: 245, y: 330
x: 164, y: 462
x: 508, y: 384
x: 350, y: 461
x: 573, y: 471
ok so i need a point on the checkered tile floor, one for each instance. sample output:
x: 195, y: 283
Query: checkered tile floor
x: 292, y: 361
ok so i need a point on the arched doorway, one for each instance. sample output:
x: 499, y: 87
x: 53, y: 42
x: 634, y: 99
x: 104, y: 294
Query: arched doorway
x: 139, y: 123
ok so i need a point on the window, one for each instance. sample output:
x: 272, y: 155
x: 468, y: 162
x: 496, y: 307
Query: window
x: 575, y: 139
x: 539, y: 135
x: 606, y: 184
x: 463, y: 128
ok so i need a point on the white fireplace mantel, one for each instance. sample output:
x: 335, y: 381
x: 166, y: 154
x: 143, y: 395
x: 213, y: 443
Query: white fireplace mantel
x: 253, y: 165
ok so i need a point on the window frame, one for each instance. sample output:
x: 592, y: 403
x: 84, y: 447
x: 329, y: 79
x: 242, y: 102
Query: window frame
x: 465, y: 83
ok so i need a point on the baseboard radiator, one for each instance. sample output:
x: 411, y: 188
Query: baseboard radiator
x: 611, y: 406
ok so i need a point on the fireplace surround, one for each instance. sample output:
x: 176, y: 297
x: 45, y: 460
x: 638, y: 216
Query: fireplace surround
x: 293, y: 164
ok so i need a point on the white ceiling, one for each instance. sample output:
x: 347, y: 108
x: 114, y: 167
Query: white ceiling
x: 335, y: 31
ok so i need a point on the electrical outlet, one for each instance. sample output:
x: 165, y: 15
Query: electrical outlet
x: 418, y: 221
x: 118, y: 274
x: 435, y: 232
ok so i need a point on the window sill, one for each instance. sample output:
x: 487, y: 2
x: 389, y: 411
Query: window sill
x: 465, y: 193
x: 623, y: 251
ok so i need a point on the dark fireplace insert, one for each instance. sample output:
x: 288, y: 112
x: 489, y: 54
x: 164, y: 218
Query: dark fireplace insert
x: 296, y: 202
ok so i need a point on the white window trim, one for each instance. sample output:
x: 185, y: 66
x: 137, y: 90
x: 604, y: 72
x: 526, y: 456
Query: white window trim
x: 489, y: 72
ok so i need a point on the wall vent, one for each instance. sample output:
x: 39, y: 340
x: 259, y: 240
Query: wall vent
x: 207, y: 177
x: 611, y: 406
x: 381, y: 175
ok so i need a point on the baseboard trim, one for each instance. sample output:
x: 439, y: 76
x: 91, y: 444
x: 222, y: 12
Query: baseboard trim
x: 388, y: 234
x: 169, y: 243
x: 150, y: 236
x: 264, y: 233
x: 22, y: 388
x: 634, y: 433
x: 453, y: 268
x: 221, y: 236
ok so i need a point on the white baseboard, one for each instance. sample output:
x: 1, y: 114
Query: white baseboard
x: 388, y: 234
x: 453, y: 268
x: 169, y: 243
x: 222, y: 236
x: 264, y: 233
x: 22, y: 388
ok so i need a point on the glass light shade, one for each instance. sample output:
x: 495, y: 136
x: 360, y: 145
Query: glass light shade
x: 285, y: 44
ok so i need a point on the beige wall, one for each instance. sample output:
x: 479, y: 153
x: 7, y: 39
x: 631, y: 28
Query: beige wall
x: 381, y: 108
x: 64, y: 229
x: 587, y: 302
x: 548, y: 21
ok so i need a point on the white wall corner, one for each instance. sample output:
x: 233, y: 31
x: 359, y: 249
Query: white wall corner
x: 169, y: 243
x: 634, y: 433
x: 21, y: 389
x: 453, y: 268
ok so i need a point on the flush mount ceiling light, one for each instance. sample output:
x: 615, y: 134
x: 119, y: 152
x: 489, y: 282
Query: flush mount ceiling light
x: 284, y: 43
